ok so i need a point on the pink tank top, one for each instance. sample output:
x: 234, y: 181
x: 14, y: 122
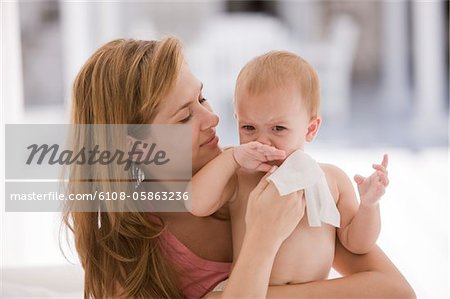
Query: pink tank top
x: 198, y: 276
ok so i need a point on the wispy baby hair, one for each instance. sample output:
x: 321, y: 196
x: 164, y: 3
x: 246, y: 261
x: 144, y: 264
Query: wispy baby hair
x: 281, y: 69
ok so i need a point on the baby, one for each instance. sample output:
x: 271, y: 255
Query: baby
x: 277, y: 109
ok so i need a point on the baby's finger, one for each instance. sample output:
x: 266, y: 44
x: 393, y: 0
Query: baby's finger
x: 379, y: 174
x: 256, y: 154
x: 385, y: 160
x: 254, y: 145
x: 264, y: 153
x: 358, y: 179
x: 263, y: 147
x: 275, y: 157
x: 263, y: 167
x: 270, y: 150
x: 384, y: 180
x: 248, y: 149
x: 380, y: 168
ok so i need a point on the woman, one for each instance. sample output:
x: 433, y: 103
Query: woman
x: 174, y: 255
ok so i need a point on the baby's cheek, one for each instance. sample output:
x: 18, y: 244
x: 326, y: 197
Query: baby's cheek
x: 293, y: 145
x: 289, y: 150
x: 244, y: 139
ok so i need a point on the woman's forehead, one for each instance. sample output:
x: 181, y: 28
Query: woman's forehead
x: 187, y: 86
x: 186, y: 89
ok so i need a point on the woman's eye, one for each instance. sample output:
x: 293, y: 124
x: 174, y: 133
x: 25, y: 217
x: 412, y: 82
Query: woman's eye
x: 279, y: 128
x: 185, y: 120
x: 202, y: 100
x: 248, y: 128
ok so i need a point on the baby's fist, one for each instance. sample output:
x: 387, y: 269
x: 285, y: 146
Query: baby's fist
x: 254, y: 155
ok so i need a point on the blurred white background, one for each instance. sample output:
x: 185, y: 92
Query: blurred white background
x: 384, y: 70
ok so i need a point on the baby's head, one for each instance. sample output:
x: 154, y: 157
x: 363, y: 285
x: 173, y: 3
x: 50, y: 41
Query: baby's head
x: 277, y: 101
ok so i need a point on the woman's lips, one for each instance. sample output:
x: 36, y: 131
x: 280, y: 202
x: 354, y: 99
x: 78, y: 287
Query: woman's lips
x: 213, y: 141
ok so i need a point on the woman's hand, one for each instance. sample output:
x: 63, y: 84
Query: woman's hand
x: 272, y: 216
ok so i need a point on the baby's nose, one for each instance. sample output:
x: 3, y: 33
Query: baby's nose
x: 264, y: 139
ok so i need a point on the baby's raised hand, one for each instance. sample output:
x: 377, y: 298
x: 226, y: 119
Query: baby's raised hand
x: 254, y: 155
x: 373, y: 187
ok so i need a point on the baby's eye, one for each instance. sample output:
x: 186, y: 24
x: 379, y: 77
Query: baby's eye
x: 279, y: 128
x: 248, y: 127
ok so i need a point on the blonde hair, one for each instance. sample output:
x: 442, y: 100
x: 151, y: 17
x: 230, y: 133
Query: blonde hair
x: 123, y: 82
x: 278, y: 69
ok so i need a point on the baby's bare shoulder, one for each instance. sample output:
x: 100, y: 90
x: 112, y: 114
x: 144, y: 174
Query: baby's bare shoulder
x: 332, y: 170
x: 337, y: 179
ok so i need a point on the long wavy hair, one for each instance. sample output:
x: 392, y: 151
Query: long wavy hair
x: 123, y: 82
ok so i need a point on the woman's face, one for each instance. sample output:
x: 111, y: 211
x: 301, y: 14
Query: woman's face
x: 185, y: 105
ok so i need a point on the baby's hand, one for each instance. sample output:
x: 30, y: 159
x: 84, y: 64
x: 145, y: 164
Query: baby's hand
x: 372, y: 188
x: 253, y: 155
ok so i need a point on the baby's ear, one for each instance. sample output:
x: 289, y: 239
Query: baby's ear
x: 313, y: 128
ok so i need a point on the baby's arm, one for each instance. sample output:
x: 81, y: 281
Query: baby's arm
x: 360, y: 229
x: 213, y: 185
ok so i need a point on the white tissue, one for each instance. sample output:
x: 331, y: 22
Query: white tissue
x: 300, y: 171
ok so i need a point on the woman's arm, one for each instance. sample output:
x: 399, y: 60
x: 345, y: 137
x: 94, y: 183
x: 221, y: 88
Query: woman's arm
x: 251, y: 273
x: 371, y: 275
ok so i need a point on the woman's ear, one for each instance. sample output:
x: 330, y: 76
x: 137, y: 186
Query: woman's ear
x: 130, y: 141
x: 313, y: 128
x: 135, y: 147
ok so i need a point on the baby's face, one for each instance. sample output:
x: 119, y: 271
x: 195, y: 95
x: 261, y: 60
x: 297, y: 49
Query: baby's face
x: 277, y: 118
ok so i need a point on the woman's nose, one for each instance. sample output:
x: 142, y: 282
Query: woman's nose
x: 209, y: 120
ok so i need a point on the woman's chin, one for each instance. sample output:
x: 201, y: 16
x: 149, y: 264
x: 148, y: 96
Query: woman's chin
x: 204, y: 156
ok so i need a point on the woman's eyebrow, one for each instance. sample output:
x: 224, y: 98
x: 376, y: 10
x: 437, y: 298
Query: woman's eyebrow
x: 187, y: 103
